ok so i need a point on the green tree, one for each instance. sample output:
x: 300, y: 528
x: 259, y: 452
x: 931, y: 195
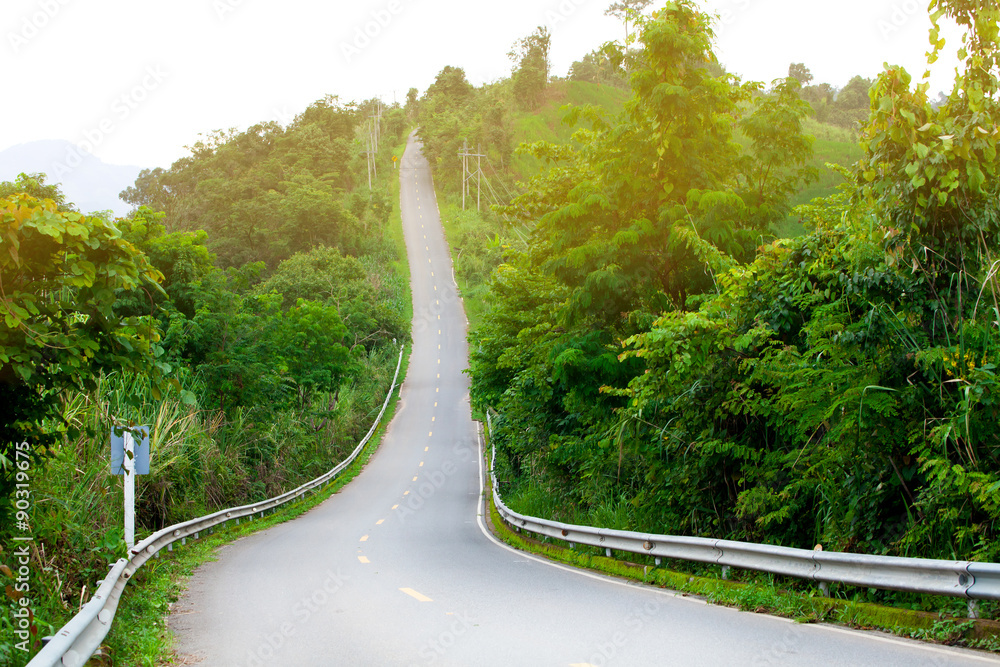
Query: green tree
x: 800, y: 73
x: 60, y: 273
x: 530, y: 56
x: 34, y: 185
x: 628, y: 10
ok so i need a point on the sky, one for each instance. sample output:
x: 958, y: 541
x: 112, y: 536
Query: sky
x: 135, y: 81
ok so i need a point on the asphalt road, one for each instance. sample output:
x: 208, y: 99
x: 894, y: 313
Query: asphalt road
x: 398, y: 569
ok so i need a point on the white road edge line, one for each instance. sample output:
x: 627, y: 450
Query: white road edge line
x: 482, y: 504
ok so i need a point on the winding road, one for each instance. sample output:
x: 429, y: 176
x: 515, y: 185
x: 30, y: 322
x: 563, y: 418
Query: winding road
x: 399, y: 569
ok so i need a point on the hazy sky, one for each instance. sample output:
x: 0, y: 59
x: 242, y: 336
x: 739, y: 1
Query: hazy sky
x: 136, y: 80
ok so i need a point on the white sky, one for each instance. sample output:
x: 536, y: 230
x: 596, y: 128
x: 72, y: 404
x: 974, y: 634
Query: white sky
x: 140, y: 79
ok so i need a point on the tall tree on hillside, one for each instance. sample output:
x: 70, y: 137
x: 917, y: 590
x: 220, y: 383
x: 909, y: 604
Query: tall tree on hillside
x: 800, y: 72
x: 411, y: 103
x: 626, y: 11
x: 60, y: 273
x: 531, y: 59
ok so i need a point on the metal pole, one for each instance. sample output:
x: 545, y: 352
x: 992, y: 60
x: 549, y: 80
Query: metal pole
x: 129, y: 461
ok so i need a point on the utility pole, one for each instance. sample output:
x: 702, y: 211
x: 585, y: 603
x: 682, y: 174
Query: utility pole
x: 467, y: 175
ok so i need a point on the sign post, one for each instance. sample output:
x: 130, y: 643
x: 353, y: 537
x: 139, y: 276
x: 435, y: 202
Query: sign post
x: 130, y: 458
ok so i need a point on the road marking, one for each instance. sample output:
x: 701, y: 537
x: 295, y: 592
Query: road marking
x: 421, y: 465
x: 439, y: 347
x: 434, y: 418
x: 432, y: 275
x: 364, y: 538
x: 379, y: 522
x: 413, y: 594
x: 439, y: 361
x: 426, y: 448
x: 430, y: 433
x: 439, y: 332
x: 437, y: 390
x: 406, y: 493
x: 439, y: 375
x: 435, y: 405
x: 395, y: 506
x: 414, y: 478
x: 363, y: 559
x: 435, y: 288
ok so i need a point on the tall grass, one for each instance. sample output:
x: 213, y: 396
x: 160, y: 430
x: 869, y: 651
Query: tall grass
x: 201, y: 461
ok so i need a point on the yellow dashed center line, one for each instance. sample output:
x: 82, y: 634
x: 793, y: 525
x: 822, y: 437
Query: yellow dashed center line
x: 414, y: 478
x: 426, y: 448
x: 395, y: 506
x: 363, y: 559
x: 421, y: 465
x: 364, y: 538
x: 413, y: 594
x: 406, y: 493
x: 379, y: 522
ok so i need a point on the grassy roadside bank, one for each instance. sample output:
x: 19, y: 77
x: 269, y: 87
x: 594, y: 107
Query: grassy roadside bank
x: 767, y: 594
x: 758, y: 592
x: 141, y: 635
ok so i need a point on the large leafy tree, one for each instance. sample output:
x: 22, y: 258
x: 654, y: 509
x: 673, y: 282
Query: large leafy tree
x: 60, y: 275
x: 530, y: 56
x: 639, y: 219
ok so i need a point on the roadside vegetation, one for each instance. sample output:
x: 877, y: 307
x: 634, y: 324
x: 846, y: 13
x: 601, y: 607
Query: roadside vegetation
x: 692, y: 327
x: 250, y: 310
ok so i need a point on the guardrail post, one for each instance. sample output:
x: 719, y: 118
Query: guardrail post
x: 725, y: 572
x: 973, y: 607
x: 824, y: 588
x: 607, y: 552
x: 658, y: 561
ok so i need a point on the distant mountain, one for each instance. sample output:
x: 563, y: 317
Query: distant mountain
x: 88, y: 182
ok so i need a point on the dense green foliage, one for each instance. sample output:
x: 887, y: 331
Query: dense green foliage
x: 248, y: 310
x: 649, y: 354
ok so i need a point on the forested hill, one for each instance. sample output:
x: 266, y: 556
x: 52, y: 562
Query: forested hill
x: 661, y: 361
x: 250, y: 310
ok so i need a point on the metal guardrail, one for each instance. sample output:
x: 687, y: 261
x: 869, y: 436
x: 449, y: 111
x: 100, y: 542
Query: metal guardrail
x: 77, y: 641
x: 964, y: 579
